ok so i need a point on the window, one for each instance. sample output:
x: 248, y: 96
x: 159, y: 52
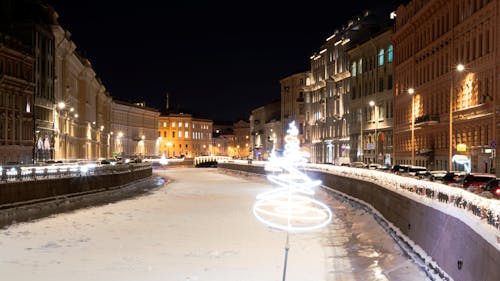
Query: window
x: 390, y: 53
x: 380, y: 84
x: 360, y: 66
x: 381, y: 57
x: 186, y: 125
x: 173, y: 134
x: 186, y: 134
x: 180, y: 124
x: 173, y: 124
x: 389, y: 82
x: 165, y: 134
x: 165, y: 124
x: 180, y: 134
x: 353, y: 69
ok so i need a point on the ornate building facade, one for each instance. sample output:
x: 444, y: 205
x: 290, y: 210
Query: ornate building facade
x: 292, y: 104
x: 30, y: 21
x: 83, y: 107
x: 371, y: 103
x: 183, y: 135
x: 451, y: 114
x: 16, y: 102
x: 134, y: 129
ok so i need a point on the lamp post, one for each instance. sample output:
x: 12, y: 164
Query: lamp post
x: 372, y: 104
x: 411, y: 91
x: 460, y: 67
x: 169, y: 144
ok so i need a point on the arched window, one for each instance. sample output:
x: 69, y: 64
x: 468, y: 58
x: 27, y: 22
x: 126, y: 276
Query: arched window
x: 381, y: 57
x: 390, y: 53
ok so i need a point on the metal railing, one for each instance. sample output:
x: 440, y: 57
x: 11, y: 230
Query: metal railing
x: 32, y: 173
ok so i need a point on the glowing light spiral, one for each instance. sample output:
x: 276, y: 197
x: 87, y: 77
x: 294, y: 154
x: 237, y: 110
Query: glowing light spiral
x: 291, y: 207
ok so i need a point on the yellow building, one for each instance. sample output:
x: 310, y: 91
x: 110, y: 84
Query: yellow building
x: 183, y: 135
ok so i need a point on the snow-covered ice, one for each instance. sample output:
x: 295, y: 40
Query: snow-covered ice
x: 199, y: 227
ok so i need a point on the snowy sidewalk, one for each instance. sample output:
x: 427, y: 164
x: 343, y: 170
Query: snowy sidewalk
x: 199, y: 227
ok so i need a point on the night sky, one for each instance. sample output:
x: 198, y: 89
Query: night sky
x: 216, y: 59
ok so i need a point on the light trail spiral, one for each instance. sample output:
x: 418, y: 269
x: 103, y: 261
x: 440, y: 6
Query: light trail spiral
x: 291, y: 207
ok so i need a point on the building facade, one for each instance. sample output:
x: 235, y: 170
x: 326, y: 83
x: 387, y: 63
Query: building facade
x: 241, y: 131
x: 326, y: 101
x: 182, y: 135
x: 82, y: 121
x: 30, y: 21
x: 292, y: 104
x: 134, y: 129
x: 371, y: 104
x: 451, y: 114
x: 265, y: 128
x: 16, y: 102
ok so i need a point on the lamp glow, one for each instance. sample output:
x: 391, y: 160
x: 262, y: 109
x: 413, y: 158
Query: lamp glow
x: 291, y: 207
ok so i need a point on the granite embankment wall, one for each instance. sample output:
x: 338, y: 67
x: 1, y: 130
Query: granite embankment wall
x: 458, y: 250
x: 25, y: 200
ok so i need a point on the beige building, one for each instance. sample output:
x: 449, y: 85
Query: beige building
x: 292, y: 104
x: 16, y: 102
x: 265, y: 130
x: 448, y: 53
x: 241, y: 131
x: 371, y: 103
x: 184, y: 135
x: 134, y: 129
x: 82, y: 110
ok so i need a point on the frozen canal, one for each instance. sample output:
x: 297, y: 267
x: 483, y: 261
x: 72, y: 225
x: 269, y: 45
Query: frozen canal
x: 198, y: 227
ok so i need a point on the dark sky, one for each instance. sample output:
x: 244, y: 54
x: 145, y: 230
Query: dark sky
x: 216, y: 59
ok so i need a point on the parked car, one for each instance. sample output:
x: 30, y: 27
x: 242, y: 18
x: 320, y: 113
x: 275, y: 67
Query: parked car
x: 475, y: 181
x: 454, y: 178
x: 493, y: 187
x: 358, y: 165
x: 400, y: 169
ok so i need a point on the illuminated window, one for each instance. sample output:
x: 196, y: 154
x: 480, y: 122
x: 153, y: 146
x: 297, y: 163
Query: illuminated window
x: 180, y: 124
x: 186, y: 134
x: 180, y: 134
x: 186, y: 125
x: 165, y: 124
x: 173, y: 124
x: 381, y: 57
x: 389, y: 53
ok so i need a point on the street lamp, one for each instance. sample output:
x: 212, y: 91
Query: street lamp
x: 411, y: 91
x: 372, y: 104
x: 460, y: 67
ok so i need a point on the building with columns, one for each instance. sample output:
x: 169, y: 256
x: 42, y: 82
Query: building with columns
x: 16, y: 102
x: 134, y: 129
x: 447, y: 53
x: 184, y: 135
x: 82, y: 105
x: 292, y: 104
x: 371, y: 98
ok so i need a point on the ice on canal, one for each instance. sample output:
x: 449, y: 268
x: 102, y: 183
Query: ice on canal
x: 199, y: 227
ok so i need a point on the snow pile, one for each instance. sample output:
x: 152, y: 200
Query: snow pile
x: 457, y: 202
